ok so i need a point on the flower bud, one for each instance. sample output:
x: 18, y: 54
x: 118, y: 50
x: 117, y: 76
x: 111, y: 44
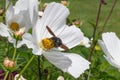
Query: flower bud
x: 8, y: 63
x: 65, y: 2
x: 60, y: 78
x: 78, y: 23
x: 44, y: 6
x: 20, y: 32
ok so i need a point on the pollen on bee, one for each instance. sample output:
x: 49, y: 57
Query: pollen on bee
x: 14, y: 26
x: 46, y: 44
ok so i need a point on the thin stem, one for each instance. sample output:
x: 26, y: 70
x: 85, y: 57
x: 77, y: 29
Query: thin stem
x: 108, y: 17
x: 6, y: 75
x: 94, y: 42
x: 39, y: 69
x: 7, y: 45
x: 15, y: 49
x: 26, y: 66
x: 88, y: 75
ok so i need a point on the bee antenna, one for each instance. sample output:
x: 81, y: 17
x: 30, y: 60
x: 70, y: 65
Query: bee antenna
x: 50, y: 31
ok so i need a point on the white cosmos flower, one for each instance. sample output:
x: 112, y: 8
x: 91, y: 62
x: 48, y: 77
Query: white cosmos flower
x: 55, y: 17
x: 85, y: 42
x: 19, y: 19
x: 110, y: 44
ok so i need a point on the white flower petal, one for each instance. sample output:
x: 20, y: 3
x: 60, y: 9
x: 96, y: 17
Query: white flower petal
x: 112, y: 62
x: 36, y: 34
x: 21, y: 5
x: 19, y: 44
x: 40, y: 13
x: 87, y: 46
x: 68, y: 62
x: 30, y: 42
x: 111, y: 41
x: 13, y: 41
x: 33, y: 10
x: 55, y: 17
x: 101, y: 43
x: 20, y: 18
x: 71, y: 36
x: 9, y: 12
x: 85, y: 42
x: 78, y: 66
x: 112, y: 44
x: 58, y: 59
x: 4, y: 31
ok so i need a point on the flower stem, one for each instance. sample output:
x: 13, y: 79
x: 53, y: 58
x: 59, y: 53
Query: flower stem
x: 6, y: 75
x: 94, y: 42
x: 15, y: 49
x: 14, y: 54
x: 39, y: 69
x: 26, y: 66
x: 108, y: 17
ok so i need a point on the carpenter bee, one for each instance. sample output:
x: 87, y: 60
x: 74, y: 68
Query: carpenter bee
x: 56, y: 41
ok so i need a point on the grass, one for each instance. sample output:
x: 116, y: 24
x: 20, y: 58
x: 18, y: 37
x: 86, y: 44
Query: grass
x: 85, y: 11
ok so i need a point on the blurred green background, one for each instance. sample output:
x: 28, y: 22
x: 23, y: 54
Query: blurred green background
x: 86, y: 12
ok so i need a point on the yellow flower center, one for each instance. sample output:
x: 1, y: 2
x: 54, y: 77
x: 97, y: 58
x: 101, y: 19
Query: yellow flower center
x: 46, y: 44
x: 14, y: 26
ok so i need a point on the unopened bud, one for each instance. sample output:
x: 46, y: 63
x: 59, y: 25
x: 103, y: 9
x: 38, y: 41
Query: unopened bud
x: 20, y: 32
x: 103, y: 2
x: 77, y: 22
x: 8, y: 63
x: 44, y: 6
x: 65, y: 2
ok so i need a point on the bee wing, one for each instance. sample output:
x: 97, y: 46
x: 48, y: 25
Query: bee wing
x: 64, y: 47
x: 50, y: 31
